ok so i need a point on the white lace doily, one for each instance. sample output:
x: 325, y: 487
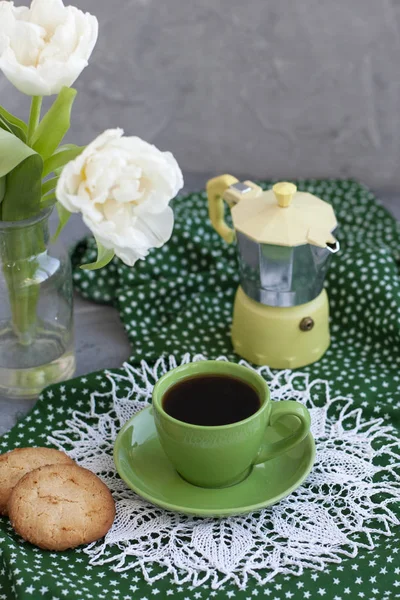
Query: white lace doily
x: 344, y: 501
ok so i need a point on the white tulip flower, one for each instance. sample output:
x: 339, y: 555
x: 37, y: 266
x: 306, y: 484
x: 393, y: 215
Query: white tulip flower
x: 46, y: 46
x: 123, y: 186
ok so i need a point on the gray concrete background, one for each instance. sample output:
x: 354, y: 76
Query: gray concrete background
x: 274, y: 88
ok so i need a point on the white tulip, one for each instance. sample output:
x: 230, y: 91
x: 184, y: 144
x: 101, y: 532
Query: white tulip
x: 46, y: 46
x: 123, y: 186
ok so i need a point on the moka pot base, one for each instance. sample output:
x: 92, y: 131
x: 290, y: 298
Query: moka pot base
x: 282, y: 338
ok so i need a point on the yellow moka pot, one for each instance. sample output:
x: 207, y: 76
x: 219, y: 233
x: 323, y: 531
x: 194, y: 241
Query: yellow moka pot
x: 284, y: 243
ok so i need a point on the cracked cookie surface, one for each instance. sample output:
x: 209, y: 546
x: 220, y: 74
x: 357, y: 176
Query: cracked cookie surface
x: 57, y: 507
x: 17, y: 463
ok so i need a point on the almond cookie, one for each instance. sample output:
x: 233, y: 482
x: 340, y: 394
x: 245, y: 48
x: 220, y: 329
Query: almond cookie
x: 61, y: 506
x: 17, y: 463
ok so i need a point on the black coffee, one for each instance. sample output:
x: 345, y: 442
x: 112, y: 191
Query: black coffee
x: 211, y: 400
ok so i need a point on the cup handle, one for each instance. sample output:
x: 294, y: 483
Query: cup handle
x: 278, y: 410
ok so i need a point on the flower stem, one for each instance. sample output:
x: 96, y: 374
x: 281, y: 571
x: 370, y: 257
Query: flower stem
x: 20, y: 250
x: 34, y: 117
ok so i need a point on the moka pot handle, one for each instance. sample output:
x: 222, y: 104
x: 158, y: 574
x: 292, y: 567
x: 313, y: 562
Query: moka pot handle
x: 216, y: 209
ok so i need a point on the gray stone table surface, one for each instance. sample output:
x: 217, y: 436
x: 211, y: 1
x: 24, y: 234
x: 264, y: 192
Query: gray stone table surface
x: 100, y: 338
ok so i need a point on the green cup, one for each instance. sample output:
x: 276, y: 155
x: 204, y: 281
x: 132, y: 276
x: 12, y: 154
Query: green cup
x: 223, y: 455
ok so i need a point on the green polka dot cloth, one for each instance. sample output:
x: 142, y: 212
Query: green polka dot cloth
x: 335, y: 538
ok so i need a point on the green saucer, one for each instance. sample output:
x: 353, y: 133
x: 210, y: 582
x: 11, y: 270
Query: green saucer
x: 144, y: 467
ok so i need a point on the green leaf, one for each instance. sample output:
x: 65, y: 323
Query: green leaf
x: 63, y: 218
x: 58, y: 171
x: 49, y: 185
x: 23, y: 190
x: 12, y: 129
x: 13, y: 120
x: 22, y: 168
x: 48, y: 200
x: 54, y: 125
x: 104, y: 256
x: 62, y: 156
x: 4, y: 125
x: 12, y: 152
x: 18, y: 127
x: 2, y: 191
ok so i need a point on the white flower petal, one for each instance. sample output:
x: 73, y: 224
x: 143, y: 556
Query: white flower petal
x: 157, y: 227
x: 45, y: 47
x: 8, y: 15
x: 47, y: 13
x: 122, y: 186
x: 27, y: 42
